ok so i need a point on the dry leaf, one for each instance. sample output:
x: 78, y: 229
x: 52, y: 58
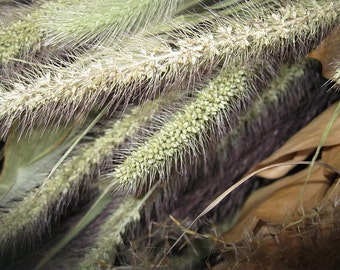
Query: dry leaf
x: 280, y: 203
x: 309, y: 243
x: 290, y: 198
x: 328, y: 53
x: 292, y: 222
x: 301, y: 145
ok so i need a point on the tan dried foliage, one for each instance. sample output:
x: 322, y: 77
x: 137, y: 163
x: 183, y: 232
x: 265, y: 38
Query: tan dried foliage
x: 328, y: 53
x: 292, y: 223
x: 301, y: 145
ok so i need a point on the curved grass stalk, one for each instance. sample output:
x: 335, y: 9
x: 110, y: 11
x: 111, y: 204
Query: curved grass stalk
x: 235, y: 40
x: 33, y: 215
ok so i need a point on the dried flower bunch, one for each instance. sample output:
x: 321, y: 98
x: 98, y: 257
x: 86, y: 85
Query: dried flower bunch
x: 121, y: 121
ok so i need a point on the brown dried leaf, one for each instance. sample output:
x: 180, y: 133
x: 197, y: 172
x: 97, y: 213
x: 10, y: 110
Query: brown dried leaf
x: 280, y: 203
x: 301, y: 145
x: 281, y: 228
x: 289, y: 199
x: 328, y: 53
